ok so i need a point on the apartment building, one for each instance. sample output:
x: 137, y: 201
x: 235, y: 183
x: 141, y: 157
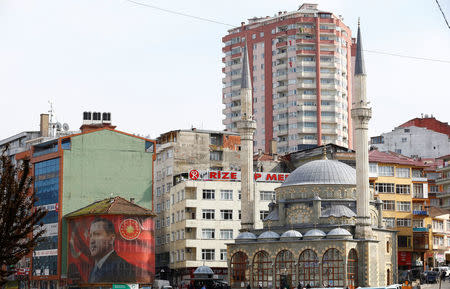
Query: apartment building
x: 300, y: 66
x: 444, y: 181
x: 197, y: 199
x: 399, y: 182
x: 440, y: 234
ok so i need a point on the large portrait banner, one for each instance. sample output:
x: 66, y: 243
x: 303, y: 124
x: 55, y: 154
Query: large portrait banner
x: 111, y: 249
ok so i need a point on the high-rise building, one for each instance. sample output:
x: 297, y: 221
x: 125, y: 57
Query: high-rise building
x: 300, y: 67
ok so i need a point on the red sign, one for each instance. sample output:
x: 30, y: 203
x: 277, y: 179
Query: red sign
x: 236, y: 176
x: 111, y: 249
x: 404, y: 259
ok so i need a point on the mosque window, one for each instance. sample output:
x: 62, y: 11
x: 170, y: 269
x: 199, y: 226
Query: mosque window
x: 238, y: 266
x: 284, y: 270
x: 352, y: 269
x: 333, y: 268
x: 262, y: 269
x: 308, y: 268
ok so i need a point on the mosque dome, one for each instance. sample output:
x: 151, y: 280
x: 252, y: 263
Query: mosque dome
x: 320, y: 172
x: 291, y: 234
x: 314, y: 234
x: 338, y: 211
x: 339, y: 233
x: 246, y: 237
x: 269, y: 235
x: 203, y: 270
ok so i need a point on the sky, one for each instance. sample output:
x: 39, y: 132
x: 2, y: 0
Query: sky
x: 156, y: 71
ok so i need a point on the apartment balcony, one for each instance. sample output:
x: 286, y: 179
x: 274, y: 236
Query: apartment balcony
x: 306, y: 52
x: 306, y: 63
x: 308, y: 130
x: 332, y: 131
x: 328, y: 75
x: 281, y: 65
x: 443, y: 180
x: 327, y: 31
x: 307, y: 85
x: 419, y: 196
x: 329, y: 64
x: 280, y: 88
x: 419, y: 179
x: 279, y: 55
x: 281, y: 77
x: 306, y: 74
x: 236, y: 66
x: 281, y: 44
x: 330, y: 119
x: 305, y: 41
x: 329, y: 86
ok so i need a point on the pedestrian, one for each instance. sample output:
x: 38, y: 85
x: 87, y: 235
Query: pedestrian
x: 308, y: 286
x: 248, y: 286
x: 443, y: 275
x: 260, y: 286
x: 300, y: 285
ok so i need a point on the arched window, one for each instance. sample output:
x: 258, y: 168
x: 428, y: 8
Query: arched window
x: 388, y: 277
x: 238, y: 266
x: 308, y: 268
x: 388, y: 246
x: 284, y: 270
x: 352, y: 269
x: 262, y: 269
x: 332, y: 268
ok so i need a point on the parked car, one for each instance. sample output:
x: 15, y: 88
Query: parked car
x: 442, y: 268
x: 429, y: 277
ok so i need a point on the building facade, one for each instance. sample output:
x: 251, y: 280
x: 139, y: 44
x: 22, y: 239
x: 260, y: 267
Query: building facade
x: 300, y: 64
x: 444, y: 181
x: 74, y: 171
x: 413, y: 141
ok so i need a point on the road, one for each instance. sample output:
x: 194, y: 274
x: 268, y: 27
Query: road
x: 444, y: 285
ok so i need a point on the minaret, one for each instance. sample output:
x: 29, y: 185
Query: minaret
x: 361, y: 115
x: 247, y: 127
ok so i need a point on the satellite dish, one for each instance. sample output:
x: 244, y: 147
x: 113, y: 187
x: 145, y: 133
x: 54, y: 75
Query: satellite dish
x: 58, y: 126
x: 65, y: 127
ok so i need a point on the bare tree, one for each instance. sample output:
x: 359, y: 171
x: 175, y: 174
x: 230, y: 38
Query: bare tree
x: 20, y: 225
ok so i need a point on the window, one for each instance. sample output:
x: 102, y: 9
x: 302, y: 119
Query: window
x: 284, y: 266
x: 417, y: 223
x: 384, y: 188
x: 352, y: 269
x: 226, y: 214
x: 403, y: 222
x: 208, y: 254
x: 333, y: 268
x: 261, y: 34
x: 404, y: 139
x: 402, y: 172
x: 238, y: 268
x: 215, y: 155
x: 208, y: 214
x: 388, y: 205
x: 404, y: 207
x: 223, y: 254
x: 253, y: 36
x: 226, y: 194
x: 438, y: 241
x: 404, y: 241
x: 390, y: 222
x: 387, y: 171
x: 226, y: 234
x: 402, y: 189
x: 262, y: 270
x: 208, y: 233
x: 209, y: 194
x: 308, y: 268
x: 418, y: 191
x: 239, y: 195
x: 239, y: 215
x: 263, y: 214
x: 267, y: 195
x: 438, y: 225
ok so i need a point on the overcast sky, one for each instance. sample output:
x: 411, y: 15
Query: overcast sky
x: 156, y: 72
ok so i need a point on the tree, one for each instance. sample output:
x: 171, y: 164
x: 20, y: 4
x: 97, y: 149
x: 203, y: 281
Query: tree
x: 20, y: 225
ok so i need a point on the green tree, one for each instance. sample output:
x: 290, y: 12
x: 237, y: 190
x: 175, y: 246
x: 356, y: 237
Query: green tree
x: 20, y: 221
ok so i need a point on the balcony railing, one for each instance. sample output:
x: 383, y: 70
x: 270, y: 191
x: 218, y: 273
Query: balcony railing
x: 420, y: 229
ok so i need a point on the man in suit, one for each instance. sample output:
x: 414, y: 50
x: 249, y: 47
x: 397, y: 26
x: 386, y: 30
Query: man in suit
x: 109, y: 267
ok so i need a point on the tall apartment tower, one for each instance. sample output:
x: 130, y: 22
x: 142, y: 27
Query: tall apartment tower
x: 300, y: 66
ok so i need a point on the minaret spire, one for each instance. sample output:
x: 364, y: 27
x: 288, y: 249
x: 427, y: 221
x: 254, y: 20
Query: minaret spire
x: 361, y: 114
x: 247, y: 127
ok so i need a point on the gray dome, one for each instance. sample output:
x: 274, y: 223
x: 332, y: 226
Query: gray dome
x: 322, y: 172
x: 314, y: 234
x: 246, y: 236
x: 291, y: 234
x: 269, y: 235
x: 338, y: 211
x: 338, y: 233
x: 203, y: 270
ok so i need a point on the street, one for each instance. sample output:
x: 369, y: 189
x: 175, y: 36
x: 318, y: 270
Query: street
x: 444, y: 285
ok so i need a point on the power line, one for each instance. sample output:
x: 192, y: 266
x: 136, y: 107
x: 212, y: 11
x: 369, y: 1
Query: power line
x: 443, y: 14
x: 181, y: 14
x: 233, y: 26
x: 406, y: 56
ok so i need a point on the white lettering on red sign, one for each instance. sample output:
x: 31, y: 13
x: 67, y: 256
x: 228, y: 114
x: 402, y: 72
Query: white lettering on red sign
x: 236, y: 176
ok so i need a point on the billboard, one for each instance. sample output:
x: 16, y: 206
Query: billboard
x: 111, y: 249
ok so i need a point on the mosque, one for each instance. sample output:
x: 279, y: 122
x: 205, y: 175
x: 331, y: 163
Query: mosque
x: 325, y: 228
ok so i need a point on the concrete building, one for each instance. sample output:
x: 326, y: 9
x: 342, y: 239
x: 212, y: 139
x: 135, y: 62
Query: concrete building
x: 77, y: 170
x: 440, y: 233
x: 300, y: 64
x: 198, y: 199
x: 430, y: 140
x: 325, y: 228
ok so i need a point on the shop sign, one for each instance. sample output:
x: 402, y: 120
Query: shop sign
x: 404, y: 259
x: 125, y: 286
x: 196, y: 175
x: 51, y: 229
x: 44, y: 253
x: 440, y: 258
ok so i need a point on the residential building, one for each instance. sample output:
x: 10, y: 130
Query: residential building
x: 75, y: 171
x: 300, y: 64
x: 399, y: 182
x: 444, y: 181
x: 419, y: 137
x: 201, y: 214
x: 440, y: 234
